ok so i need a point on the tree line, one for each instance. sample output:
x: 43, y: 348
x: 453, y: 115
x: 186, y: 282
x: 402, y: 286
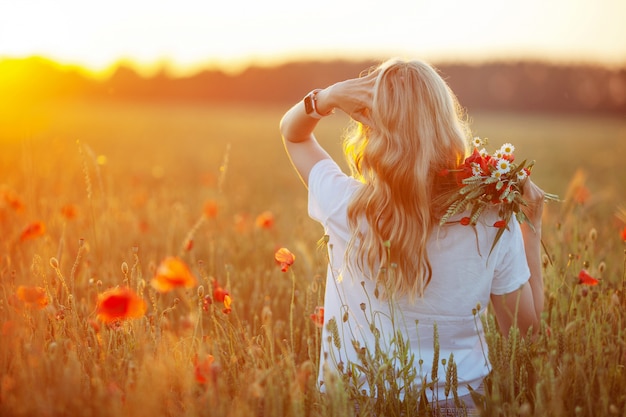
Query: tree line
x: 524, y: 86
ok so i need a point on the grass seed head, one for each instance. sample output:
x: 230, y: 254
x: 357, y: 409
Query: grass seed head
x: 54, y: 263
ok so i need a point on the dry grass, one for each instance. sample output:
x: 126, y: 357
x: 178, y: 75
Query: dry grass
x: 138, y: 179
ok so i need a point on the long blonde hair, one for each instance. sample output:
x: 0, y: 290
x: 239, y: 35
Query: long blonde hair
x: 418, y: 130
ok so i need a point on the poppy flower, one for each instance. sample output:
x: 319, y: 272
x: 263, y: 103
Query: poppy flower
x: 219, y: 293
x: 210, y: 209
x: 203, y: 370
x: 32, y: 296
x: 284, y: 258
x: 318, y: 316
x: 143, y: 226
x: 33, y: 230
x: 624, y: 234
x: 13, y: 200
x: 477, y: 158
x: 69, y: 211
x: 581, y: 194
x: 120, y: 304
x: 500, y: 224
x: 265, y: 220
x: 585, y: 278
x: 172, y: 273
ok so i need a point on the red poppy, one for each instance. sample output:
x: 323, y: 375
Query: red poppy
x: 318, y: 316
x: 219, y: 293
x: 624, y: 234
x: 210, y: 209
x: 203, y: 370
x: 500, y: 224
x: 581, y: 194
x: 13, y: 200
x: 143, y: 226
x: 33, y: 230
x: 32, y: 296
x: 265, y: 220
x: 465, y: 221
x: 585, y: 278
x: 284, y: 258
x: 69, y: 211
x: 477, y: 158
x: 172, y: 273
x: 120, y: 304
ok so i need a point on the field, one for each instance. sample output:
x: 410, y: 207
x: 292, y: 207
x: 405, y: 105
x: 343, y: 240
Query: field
x: 99, y: 195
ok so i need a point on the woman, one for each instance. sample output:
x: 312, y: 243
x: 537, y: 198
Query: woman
x: 394, y: 274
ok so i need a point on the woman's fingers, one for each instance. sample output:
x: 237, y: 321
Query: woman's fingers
x: 534, y: 197
x: 532, y: 192
x: 354, y: 96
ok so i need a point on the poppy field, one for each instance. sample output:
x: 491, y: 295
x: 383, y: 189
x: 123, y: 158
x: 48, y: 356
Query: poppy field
x: 158, y: 260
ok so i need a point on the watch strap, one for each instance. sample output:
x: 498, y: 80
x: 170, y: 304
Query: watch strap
x: 310, y: 105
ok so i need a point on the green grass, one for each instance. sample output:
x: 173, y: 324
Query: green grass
x: 139, y: 177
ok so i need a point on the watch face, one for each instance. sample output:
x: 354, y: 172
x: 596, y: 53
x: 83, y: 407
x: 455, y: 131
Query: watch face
x: 308, y: 104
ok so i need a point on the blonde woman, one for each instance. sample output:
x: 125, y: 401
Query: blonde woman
x: 392, y: 269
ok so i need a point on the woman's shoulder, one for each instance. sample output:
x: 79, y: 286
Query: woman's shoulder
x: 327, y: 173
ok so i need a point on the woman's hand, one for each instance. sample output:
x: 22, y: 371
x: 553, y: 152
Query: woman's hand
x: 534, y: 197
x: 353, y: 96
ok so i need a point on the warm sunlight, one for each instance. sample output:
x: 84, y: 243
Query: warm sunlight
x: 160, y: 256
x: 189, y: 33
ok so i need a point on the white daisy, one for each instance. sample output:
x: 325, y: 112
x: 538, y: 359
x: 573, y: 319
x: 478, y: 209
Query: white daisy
x: 477, y: 142
x: 498, y: 154
x: 522, y: 174
x: 503, y: 166
x: 496, y: 174
x: 476, y: 171
x: 507, y: 149
x: 483, y: 152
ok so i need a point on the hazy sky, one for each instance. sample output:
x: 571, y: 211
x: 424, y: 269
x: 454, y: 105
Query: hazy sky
x: 235, y: 33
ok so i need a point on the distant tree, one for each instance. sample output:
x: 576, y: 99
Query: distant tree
x: 527, y: 86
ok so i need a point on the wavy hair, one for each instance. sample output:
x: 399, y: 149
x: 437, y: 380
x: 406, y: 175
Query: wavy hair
x: 418, y: 129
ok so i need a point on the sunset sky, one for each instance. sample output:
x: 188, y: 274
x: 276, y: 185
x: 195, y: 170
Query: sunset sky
x: 233, y: 34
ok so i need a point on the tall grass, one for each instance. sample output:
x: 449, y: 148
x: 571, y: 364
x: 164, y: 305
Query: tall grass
x: 137, y: 182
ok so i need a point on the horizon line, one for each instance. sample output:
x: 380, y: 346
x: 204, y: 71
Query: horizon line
x: 234, y: 67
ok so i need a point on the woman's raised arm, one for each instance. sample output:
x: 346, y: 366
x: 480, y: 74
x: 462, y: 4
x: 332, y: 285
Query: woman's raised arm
x: 353, y: 97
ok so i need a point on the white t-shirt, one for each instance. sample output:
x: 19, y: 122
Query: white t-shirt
x: 463, y: 275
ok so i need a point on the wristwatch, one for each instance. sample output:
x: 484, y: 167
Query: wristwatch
x: 310, y: 105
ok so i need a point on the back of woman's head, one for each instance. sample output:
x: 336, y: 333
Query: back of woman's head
x: 417, y: 131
